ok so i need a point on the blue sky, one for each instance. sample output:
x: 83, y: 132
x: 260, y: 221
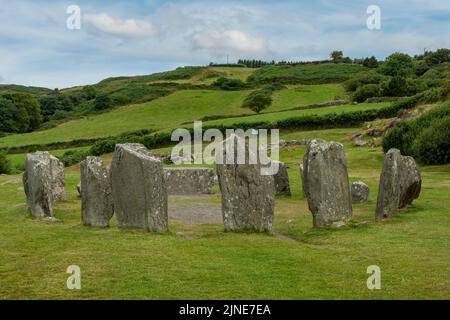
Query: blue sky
x: 140, y: 37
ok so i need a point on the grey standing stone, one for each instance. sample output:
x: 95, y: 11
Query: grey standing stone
x: 38, y: 183
x: 247, y: 195
x: 185, y: 181
x: 400, y: 184
x: 97, y: 205
x: 302, y: 177
x: 58, y: 180
x: 282, y: 186
x: 139, y: 189
x: 325, y: 183
x: 360, y: 192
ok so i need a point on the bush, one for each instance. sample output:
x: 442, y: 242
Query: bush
x: 19, y: 112
x: 229, y: 84
x: 424, y: 138
x: 432, y: 145
x: 366, y: 91
x: 395, y: 87
x: 5, y: 165
x: 398, y: 65
x: 103, y: 102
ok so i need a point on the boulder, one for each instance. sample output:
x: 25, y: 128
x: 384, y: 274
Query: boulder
x: 400, y: 184
x: 247, y: 195
x: 97, y: 205
x: 282, y: 186
x: 325, y: 184
x: 185, y: 181
x: 139, y: 189
x: 38, y: 184
x: 360, y: 192
x: 58, y: 180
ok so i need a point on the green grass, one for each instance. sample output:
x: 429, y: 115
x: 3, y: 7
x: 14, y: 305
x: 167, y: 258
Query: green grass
x: 174, y: 110
x: 412, y: 249
x: 307, y: 73
x: 301, y: 95
x: 296, y: 113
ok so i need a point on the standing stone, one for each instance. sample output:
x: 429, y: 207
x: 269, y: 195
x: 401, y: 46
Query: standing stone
x: 325, y: 183
x: 97, y: 205
x: 400, y: 184
x: 282, y: 186
x: 58, y: 180
x: 79, y: 188
x: 360, y: 192
x: 38, y: 183
x: 139, y: 189
x: 185, y: 181
x: 302, y: 177
x: 247, y: 195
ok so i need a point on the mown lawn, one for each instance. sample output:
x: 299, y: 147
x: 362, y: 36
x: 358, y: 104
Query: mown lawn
x: 412, y: 249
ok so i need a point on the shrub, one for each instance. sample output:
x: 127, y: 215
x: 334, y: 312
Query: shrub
x: 422, y: 137
x: 229, y: 84
x: 432, y: 145
x: 103, y: 102
x: 366, y: 91
x: 395, y: 87
x: 5, y: 165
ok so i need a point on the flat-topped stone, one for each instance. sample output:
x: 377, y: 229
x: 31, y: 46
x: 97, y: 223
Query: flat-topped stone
x: 247, y: 195
x: 189, y: 180
x: 139, y: 189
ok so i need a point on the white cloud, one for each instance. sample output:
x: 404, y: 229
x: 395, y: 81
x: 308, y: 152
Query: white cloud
x: 129, y: 28
x: 229, y: 42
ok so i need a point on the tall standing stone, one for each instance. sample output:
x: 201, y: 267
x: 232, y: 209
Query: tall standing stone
x: 400, y: 184
x: 282, y: 186
x: 97, y: 205
x: 38, y: 184
x: 139, y: 189
x: 247, y: 195
x: 325, y: 184
x: 58, y: 180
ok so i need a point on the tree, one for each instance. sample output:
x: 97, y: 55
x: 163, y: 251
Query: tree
x: 395, y: 87
x: 371, y: 62
x: 19, y: 112
x: 103, y: 102
x: 398, y: 65
x: 257, y: 101
x: 337, y: 56
x: 366, y: 91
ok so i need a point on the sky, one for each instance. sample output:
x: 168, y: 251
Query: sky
x: 121, y: 38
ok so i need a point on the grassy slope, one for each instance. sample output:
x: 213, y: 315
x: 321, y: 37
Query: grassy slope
x: 169, y: 112
x: 309, y: 73
x: 411, y: 249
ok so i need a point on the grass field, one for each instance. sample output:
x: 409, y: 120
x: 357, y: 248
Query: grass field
x: 412, y: 249
x: 171, y: 112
